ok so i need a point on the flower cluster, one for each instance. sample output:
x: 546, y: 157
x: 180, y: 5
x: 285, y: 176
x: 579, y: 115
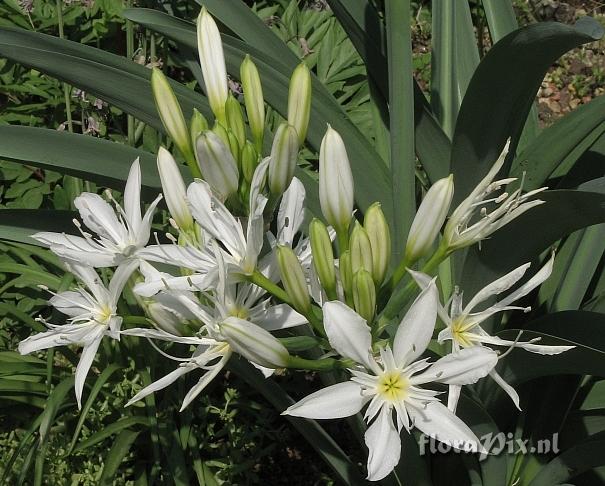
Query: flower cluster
x: 235, y: 274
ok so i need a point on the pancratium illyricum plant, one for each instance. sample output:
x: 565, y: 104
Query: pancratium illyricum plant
x: 235, y: 275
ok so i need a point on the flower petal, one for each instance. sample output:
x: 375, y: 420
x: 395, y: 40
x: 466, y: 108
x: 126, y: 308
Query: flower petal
x: 384, y: 445
x: 280, y: 316
x: 204, y: 381
x: 461, y: 368
x: 531, y: 284
x: 86, y: 359
x: 348, y: 332
x: 335, y: 401
x: 132, y: 197
x: 436, y: 421
x: 161, y: 383
x: 79, y: 249
x: 291, y: 212
x: 453, y: 395
x: 70, y: 303
x: 423, y: 281
x: 509, y: 390
x: 417, y: 326
x: 119, y: 279
x: 100, y: 217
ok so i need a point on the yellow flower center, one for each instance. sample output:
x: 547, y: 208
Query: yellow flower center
x: 460, y: 333
x: 104, y: 315
x: 393, y: 386
x: 240, y: 312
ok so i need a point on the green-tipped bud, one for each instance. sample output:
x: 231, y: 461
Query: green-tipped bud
x: 254, y: 343
x: 323, y: 256
x: 346, y: 275
x: 254, y: 101
x: 335, y: 181
x: 364, y: 294
x: 293, y: 279
x: 173, y: 188
x: 299, y: 101
x: 284, y: 156
x: 218, y: 166
x: 429, y: 219
x: 221, y: 131
x: 170, y: 113
x: 235, y: 119
x: 234, y: 146
x: 361, y: 250
x: 250, y: 161
x: 212, y: 60
x: 198, y: 125
x: 377, y: 228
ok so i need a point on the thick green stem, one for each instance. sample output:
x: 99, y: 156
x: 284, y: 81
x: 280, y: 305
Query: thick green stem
x: 399, y: 272
x: 325, y: 364
x: 343, y: 240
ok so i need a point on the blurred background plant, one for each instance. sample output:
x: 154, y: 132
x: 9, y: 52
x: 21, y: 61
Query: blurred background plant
x: 233, y: 435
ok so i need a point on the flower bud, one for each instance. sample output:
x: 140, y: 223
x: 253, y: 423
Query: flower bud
x: 377, y: 229
x: 335, y: 181
x: 198, y: 125
x: 293, y: 278
x: 429, y: 219
x: 299, y: 101
x: 254, y: 343
x: 364, y: 294
x: 235, y: 119
x: 253, y: 99
x: 173, y: 188
x: 249, y: 161
x: 323, y: 256
x: 284, y: 156
x: 212, y: 60
x: 221, y: 131
x: 218, y: 166
x: 170, y: 113
x: 234, y: 147
x: 165, y: 320
x: 361, y: 250
x: 346, y: 275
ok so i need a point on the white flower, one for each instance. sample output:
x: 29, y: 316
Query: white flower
x: 92, y: 315
x: 120, y: 236
x: 212, y: 60
x: 463, y: 323
x: 173, y: 188
x: 392, y: 384
x: 464, y: 229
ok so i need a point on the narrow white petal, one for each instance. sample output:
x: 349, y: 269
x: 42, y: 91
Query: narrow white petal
x: 78, y: 249
x: 531, y: 284
x: 417, y: 326
x: 461, y: 368
x: 280, y: 316
x: 166, y: 336
x: 435, y: 420
x: 90, y: 278
x: 204, y: 381
x: 348, y: 332
x: 178, y: 256
x: 496, y: 287
x: 335, y: 401
x: 384, y: 446
x: 161, y: 383
x: 42, y: 340
x: 70, y: 303
x: 483, y: 337
x: 132, y: 197
x: 453, y: 396
x: 423, y: 281
x: 100, y: 217
x: 119, y: 279
x: 144, y: 229
x: 291, y: 212
x: 86, y: 359
x: 510, y: 391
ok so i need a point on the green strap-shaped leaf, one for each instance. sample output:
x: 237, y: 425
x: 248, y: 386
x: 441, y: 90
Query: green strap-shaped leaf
x: 581, y: 457
x: 19, y: 224
x: 111, y: 429
x: 112, y: 78
x: 561, y: 145
x: 502, y: 91
x: 362, y: 23
x: 454, y: 58
x: 568, y: 328
x: 116, y: 455
x: 526, y: 237
x: 90, y: 158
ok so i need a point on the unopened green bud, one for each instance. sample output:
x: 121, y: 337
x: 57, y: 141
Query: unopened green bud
x: 429, y: 219
x: 235, y: 119
x: 346, y: 275
x: 284, y: 156
x: 170, y: 113
x: 323, y: 256
x: 364, y: 294
x: 299, y: 101
x: 361, y: 249
x: 221, y: 131
x: 250, y: 161
x: 253, y: 99
x: 198, y: 125
x: 377, y: 229
x: 254, y: 343
x: 234, y: 146
x: 293, y: 278
x: 218, y: 166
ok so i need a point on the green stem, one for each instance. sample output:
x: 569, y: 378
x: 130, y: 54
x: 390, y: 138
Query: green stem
x: 325, y: 364
x: 343, y: 240
x: 66, y: 88
x: 399, y: 272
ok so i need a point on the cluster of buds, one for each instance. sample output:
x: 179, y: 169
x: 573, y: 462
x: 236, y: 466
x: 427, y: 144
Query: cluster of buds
x: 226, y: 295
